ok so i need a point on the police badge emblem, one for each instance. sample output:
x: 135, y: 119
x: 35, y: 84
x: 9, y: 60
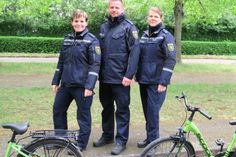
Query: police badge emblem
x: 170, y: 47
x: 135, y: 34
x: 98, y: 50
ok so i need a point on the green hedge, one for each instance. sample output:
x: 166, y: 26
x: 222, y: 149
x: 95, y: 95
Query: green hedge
x: 30, y: 44
x: 211, y: 48
x: 52, y: 45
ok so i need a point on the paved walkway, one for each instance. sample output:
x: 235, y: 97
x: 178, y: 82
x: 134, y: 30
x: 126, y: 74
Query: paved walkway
x: 55, y: 59
x: 211, y: 130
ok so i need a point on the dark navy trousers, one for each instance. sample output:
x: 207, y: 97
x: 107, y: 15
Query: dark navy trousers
x: 151, y: 103
x: 63, y: 99
x: 120, y: 95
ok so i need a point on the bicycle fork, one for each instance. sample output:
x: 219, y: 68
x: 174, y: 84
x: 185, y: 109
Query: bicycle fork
x: 230, y: 146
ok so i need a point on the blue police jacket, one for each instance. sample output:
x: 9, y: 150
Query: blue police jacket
x: 157, y: 57
x: 79, y: 61
x: 120, y: 50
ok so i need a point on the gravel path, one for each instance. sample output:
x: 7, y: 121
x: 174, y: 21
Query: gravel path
x: 54, y: 59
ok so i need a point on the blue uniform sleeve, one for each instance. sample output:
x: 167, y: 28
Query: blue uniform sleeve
x: 169, y: 48
x: 132, y: 41
x: 58, y: 72
x: 94, y: 59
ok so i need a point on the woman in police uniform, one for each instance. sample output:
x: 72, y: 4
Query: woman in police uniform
x: 76, y: 73
x: 156, y: 64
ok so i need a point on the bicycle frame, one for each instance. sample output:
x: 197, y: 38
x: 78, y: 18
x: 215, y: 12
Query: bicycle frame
x: 15, y: 147
x: 230, y: 146
x: 189, y: 126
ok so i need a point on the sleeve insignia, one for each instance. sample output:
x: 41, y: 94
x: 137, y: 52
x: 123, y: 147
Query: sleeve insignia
x: 98, y: 50
x: 170, y: 47
x: 135, y: 34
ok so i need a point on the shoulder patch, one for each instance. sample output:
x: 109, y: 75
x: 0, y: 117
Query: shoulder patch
x: 98, y: 50
x: 170, y: 47
x: 135, y: 34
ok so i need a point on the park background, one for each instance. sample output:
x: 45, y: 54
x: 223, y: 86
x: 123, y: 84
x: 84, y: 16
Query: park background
x: 35, y: 28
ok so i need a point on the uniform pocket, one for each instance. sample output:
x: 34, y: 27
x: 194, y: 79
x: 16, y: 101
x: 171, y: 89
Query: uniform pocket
x: 118, y: 63
x: 118, y: 35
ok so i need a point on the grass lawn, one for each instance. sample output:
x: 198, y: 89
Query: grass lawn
x: 34, y: 103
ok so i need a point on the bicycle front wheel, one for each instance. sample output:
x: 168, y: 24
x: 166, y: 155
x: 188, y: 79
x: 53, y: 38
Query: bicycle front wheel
x: 53, y: 147
x: 168, y: 147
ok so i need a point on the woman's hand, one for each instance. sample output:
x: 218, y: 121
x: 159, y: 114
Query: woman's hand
x: 88, y: 92
x: 161, y: 88
x: 55, y: 88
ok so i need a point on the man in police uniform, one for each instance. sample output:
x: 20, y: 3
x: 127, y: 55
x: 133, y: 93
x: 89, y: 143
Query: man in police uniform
x: 77, y: 72
x: 120, y: 52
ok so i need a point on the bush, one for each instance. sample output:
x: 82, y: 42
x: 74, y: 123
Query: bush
x: 30, y: 44
x: 211, y: 48
x: 52, y: 45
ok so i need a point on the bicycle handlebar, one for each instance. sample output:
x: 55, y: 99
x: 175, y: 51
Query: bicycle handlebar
x: 205, y: 115
x: 192, y: 109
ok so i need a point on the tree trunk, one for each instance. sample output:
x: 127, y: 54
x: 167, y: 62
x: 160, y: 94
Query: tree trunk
x: 179, y: 13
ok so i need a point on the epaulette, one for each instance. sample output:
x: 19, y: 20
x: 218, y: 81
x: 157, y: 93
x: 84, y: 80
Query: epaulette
x: 130, y: 22
x: 91, y: 35
x: 105, y: 21
x: 71, y: 35
x: 165, y: 31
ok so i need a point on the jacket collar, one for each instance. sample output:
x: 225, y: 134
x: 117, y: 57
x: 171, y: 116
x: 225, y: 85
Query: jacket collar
x: 116, y: 20
x: 158, y: 29
x: 81, y: 34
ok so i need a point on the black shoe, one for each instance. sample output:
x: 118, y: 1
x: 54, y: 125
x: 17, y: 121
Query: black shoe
x: 142, y: 144
x: 117, y: 149
x: 102, y: 141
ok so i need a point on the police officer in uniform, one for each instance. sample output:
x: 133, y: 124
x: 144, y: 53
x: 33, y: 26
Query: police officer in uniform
x: 77, y: 72
x: 156, y: 64
x: 120, y: 52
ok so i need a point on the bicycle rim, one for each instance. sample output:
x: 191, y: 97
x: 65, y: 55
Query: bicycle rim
x: 168, y: 147
x: 53, y: 148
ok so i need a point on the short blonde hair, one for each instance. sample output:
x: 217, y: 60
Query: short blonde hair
x: 116, y: 0
x: 78, y: 14
x: 157, y: 10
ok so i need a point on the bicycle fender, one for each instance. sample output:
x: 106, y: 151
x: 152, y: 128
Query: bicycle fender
x: 49, y: 138
x: 184, y: 140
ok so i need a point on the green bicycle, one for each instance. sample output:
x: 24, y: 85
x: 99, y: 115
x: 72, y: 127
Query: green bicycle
x: 178, y: 146
x: 46, y: 143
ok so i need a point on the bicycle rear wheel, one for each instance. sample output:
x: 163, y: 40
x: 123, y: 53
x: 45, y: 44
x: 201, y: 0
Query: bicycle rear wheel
x: 168, y: 147
x: 53, y: 147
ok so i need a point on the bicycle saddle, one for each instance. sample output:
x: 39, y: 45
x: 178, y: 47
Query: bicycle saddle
x: 19, y: 128
x: 232, y: 122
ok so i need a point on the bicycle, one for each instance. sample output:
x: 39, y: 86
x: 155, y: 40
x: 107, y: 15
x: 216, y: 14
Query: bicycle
x: 45, y: 143
x: 178, y: 145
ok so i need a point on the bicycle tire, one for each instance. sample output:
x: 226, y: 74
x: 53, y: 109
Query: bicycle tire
x: 52, y: 147
x: 168, y: 147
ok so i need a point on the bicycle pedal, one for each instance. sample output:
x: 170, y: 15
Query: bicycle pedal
x: 220, y: 142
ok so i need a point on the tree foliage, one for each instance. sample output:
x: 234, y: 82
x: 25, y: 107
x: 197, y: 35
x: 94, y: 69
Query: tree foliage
x: 52, y: 17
